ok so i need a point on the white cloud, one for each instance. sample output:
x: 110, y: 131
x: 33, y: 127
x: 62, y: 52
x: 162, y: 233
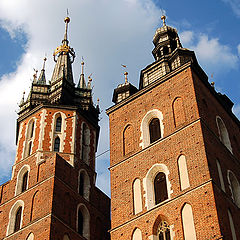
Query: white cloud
x: 236, y: 110
x: 235, y: 5
x: 107, y: 33
x: 213, y: 56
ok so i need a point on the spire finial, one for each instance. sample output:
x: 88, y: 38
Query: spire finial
x: 35, y: 75
x: 98, y: 101
x: 89, y: 81
x: 66, y: 20
x: 44, y: 62
x: 126, y: 78
x: 163, y: 18
x: 82, y: 63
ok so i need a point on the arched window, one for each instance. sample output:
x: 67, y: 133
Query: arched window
x: 164, y: 231
x: 234, y: 236
x: 32, y: 130
x: 58, y: 124
x: 220, y: 175
x: 85, y: 143
x: 24, y: 182
x: 128, y: 140
x: 152, y: 127
x: 223, y: 133
x: 183, y: 172
x: 15, y: 217
x: 188, y: 223
x: 29, y: 138
x: 18, y: 218
x: 66, y: 237
x: 235, y: 188
x: 80, y: 222
x: 160, y: 188
x: 35, y: 213
x: 154, y: 130
x: 57, y: 144
x: 137, y: 234
x: 29, y: 148
x: 83, y: 221
x: 178, y: 112
x: 137, y: 196
x: 22, y: 179
x: 84, y: 184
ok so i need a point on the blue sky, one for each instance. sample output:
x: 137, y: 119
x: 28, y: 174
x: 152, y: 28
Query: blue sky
x: 109, y: 33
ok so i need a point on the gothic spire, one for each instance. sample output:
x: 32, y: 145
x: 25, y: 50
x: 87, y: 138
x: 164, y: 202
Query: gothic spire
x: 65, y: 57
x: 81, y: 83
x: 42, y: 78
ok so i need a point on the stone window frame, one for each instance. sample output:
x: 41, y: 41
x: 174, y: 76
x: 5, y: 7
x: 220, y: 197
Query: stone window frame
x: 24, y: 169
x: 86, y: 223
x: 30, y: 236
x: 235, y: 190
x: 148, y: 185
x: 137, y: 196
x: 183, y: 173
x: 223, y: 133
x: 232, y: 227
x: 54, y: 134
x: 136, y: 233
x: 145, y: 135
x: 12, y: 216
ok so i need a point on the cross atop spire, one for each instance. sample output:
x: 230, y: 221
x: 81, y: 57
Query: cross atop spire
x: 163, y: 18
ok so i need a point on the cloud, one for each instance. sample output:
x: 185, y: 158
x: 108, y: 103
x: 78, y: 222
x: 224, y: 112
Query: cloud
x: 107, y: 33
x: 235, y: 5
x: 238, y: 48
x: 211, y: 53
x: 236, y: 110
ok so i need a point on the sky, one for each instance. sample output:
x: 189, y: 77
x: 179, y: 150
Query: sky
x: 106, y: 34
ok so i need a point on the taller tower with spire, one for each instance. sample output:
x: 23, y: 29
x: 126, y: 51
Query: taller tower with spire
x: 52, y: 192
x: 174, y: 152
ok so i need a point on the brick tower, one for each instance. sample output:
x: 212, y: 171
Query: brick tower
x: 52, y: 193
x: 175, y: 152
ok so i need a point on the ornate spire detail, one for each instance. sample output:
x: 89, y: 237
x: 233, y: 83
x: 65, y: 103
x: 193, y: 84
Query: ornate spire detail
x: 163, y: 18
x: 81, y: 83
x: 126, y: 77
x: 22, y: 100
x: 42, y: 77
x: 89, y: 82
x: 64, y: 55
x: 35, y: 76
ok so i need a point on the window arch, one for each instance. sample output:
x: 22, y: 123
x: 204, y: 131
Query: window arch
x: 57, y: 144
x: 234, y: 237
x: 84, y: 184
x: 30, y: 236
x: 35, y: 206
x: 66, y: 237
x: 188, y: 223
x: 137, y: 234
x: 223, y: 133
x: 145, y: 139
x: 183, y: 172
x: 83, y: 221
x: 15, y: 217
x: 128, y: 140
x: 137, y: 196
x: 178, y: 112
x: 22, y: 179
x: 58, y: 126
x: 151, y: 183
x: 160, y: 188
x: 234, y: 187
x: 163, y: 231
x: 154, y: 130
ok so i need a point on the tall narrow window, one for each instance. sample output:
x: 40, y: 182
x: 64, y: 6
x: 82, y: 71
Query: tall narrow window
x: 85, y: 143
x: 18, y: 219
x: 223, y: 133
x: 80, y: 222
x: 81, y: 184
x: 32, y: 130
x: 154, y: 130
x: 137, y: 196
x: 235, y: 188
x: 128, y: 140
x: 58, y: 124
x: 29, y: 138
x: 220, y: 175
x: 178, y: 112
x: 234, y: 237
x: 183, y: 172
x: 24, y: 182
x: 29, y: 148
x: 188, y: 223
x: 57, y: 144
x: 160, y: 188
x: 164, y: 231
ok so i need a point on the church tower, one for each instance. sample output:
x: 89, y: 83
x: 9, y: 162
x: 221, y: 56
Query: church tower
x: 52, y: 192
x: 174, y: 152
